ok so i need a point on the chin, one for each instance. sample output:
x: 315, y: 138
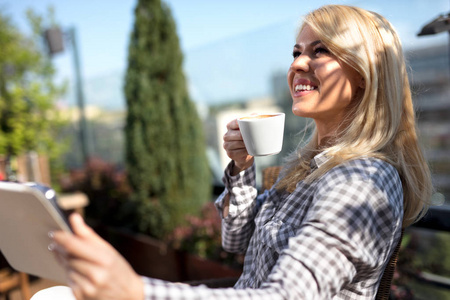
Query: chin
x: 299, y: 112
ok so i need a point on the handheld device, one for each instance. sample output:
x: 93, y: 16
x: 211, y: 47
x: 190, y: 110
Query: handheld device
x: 27, y: 213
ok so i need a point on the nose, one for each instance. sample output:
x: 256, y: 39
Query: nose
x: 301, y: 63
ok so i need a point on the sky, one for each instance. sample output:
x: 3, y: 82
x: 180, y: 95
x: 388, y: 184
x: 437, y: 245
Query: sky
x: 103, y: 26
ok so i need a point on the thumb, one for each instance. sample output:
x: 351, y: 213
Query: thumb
x: 79, y: 227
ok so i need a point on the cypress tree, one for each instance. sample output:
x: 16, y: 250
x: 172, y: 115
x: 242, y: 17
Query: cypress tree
x: 165, y: 146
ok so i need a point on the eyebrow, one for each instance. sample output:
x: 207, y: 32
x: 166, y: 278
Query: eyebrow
x: 312, y: 44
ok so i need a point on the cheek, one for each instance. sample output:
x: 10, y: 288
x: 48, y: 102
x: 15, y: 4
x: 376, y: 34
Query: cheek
x: 289, y: 77
x: 334, y: 82
x: 329, y: 74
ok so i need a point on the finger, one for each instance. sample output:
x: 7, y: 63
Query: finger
x: 75, y: 247
x: 233, y: 125
x: 81, y: 229
x: 56, y: 248
x: 239, y: 155
x: 81, y: 286
x: 76, y: 292
x: 232, y: 135
x: 235, y: 150
x: 60, y: 255
x: 234, y: 145
x: 91, y: 271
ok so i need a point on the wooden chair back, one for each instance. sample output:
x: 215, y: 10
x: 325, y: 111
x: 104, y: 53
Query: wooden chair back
x: 10, y: 280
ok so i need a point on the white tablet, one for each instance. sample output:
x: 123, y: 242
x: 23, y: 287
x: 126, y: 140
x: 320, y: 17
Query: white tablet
x: 26, y: 217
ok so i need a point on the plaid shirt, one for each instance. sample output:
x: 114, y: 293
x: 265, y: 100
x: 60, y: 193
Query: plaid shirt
x: 330, y: 239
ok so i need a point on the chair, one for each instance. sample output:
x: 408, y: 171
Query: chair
x: 270, y: 175
x: 10, y: 280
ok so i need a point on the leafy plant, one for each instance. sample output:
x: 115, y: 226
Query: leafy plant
x: 201, y: 235
x: 29, y: 120
x: 108, y: 192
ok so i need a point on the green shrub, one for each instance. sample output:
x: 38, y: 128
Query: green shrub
x: 165, y: 147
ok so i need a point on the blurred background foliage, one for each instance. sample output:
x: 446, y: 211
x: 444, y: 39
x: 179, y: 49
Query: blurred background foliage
x: 29, y: 118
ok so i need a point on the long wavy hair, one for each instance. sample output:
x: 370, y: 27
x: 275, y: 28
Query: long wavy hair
x: 381, y: 123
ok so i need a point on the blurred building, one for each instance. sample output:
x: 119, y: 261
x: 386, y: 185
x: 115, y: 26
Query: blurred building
x: 430, y: 82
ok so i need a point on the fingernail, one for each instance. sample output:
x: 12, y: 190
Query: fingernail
x: 51, y: 247
x: 51, y: 234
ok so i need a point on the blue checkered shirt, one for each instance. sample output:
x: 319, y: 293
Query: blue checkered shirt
x: 330, y: 239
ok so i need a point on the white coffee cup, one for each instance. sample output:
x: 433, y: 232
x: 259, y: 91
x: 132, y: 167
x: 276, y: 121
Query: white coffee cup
x: 262, y: 133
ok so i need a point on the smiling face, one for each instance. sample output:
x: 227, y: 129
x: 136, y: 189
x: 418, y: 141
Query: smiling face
x: 321, y: 87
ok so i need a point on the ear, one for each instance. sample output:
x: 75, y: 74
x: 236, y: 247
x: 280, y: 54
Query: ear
x: 362, y: 83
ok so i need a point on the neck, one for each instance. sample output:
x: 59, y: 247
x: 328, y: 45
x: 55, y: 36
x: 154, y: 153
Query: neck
x: 328, y: 132
x: 326, y: 141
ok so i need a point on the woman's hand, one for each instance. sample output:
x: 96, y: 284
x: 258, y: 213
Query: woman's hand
x: 235, y: 148
x: 95, y: 269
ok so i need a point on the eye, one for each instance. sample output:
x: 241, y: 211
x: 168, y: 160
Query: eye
x: 296, y: 54
x: 321, y: 50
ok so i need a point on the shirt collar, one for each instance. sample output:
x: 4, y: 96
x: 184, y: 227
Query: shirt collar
x: 319, y: 160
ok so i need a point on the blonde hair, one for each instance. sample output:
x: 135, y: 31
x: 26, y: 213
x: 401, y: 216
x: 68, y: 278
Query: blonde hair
x: 383, y: 119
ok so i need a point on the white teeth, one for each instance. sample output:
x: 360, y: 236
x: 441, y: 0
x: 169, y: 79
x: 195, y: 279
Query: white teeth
x: 302, y: 87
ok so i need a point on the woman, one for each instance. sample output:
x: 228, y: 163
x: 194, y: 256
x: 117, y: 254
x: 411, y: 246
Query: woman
x: 328, y: 227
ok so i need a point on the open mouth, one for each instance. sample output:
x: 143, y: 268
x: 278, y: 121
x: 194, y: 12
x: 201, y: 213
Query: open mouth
x: 303, y: 87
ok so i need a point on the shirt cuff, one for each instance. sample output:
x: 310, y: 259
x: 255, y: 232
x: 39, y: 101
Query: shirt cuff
x: 240, y: 188
x: 243, y: 178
